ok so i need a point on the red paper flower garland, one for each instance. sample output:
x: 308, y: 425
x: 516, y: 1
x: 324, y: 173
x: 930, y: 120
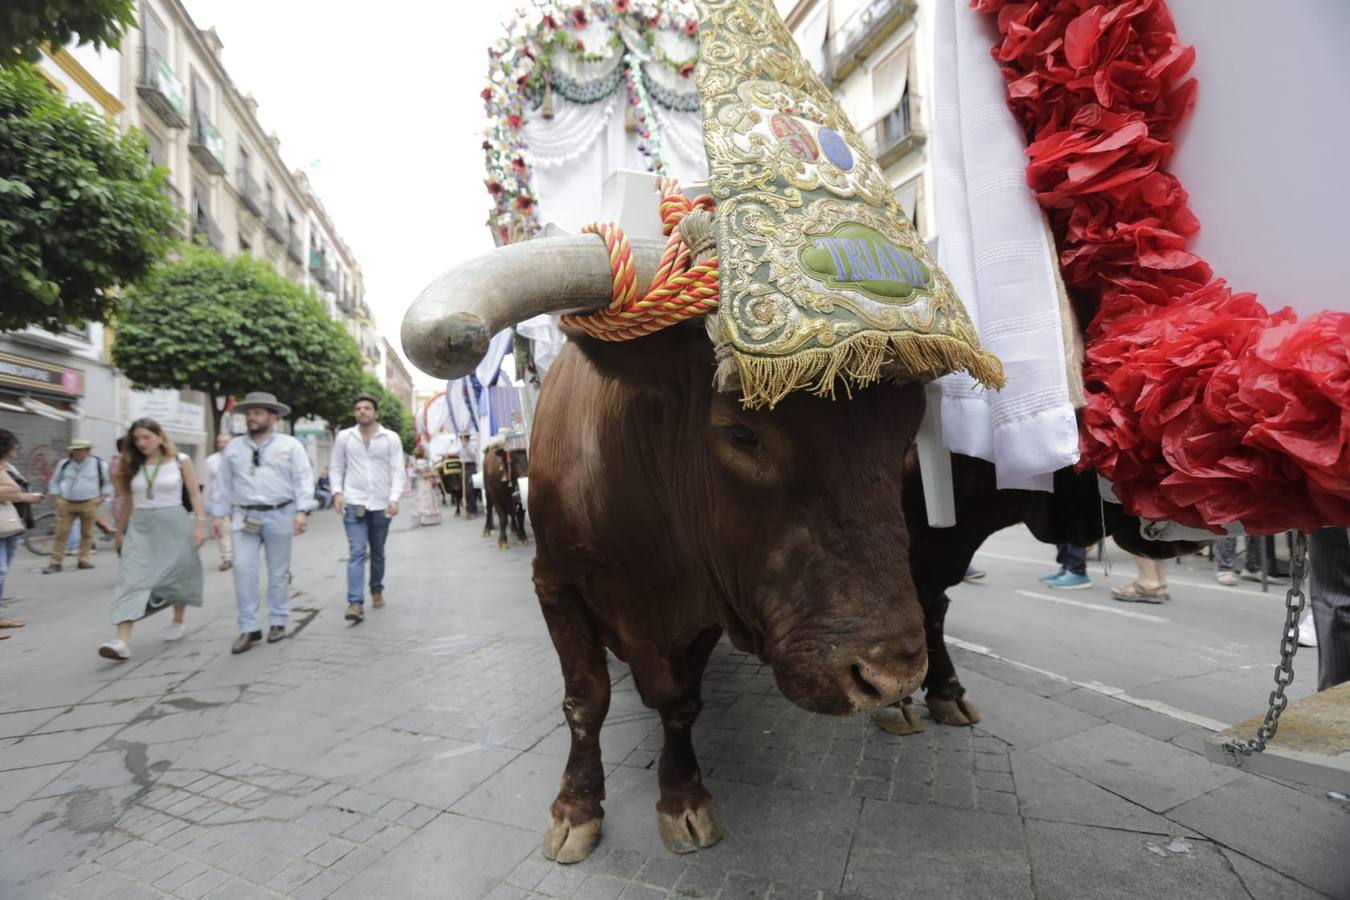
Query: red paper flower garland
x: 1202, y: 407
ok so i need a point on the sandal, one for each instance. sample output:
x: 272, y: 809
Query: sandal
x: 10, y: 623
x: 1137, y: 593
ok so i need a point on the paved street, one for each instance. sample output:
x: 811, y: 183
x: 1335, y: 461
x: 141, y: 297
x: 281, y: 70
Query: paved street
x: 415, y: 755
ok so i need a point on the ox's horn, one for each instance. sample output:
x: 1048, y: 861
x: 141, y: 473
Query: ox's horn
x: 447, y: 329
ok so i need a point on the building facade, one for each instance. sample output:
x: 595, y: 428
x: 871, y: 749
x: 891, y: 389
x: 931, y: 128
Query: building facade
x: 876, y: 57
x: 396, y: 376
x: 225, y: 172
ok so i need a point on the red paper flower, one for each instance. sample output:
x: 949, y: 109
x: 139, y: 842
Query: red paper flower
x: 578, y: 17
x: 687, y: 69
x: 518, y: 164
x: 487, y: 146
x: 550, y: 23
x: 691, y: 27
x: 524, y: 202
x: 622, y: 6
x: 514, y: 121
x: 486, y: 94
x: 495, y: 187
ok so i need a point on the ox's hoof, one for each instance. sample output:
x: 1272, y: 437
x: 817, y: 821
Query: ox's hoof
x: 568, y: 842
x: 487, y: 532
x: 958, y: 711
x: 690, y: 829
x: 899, y: 720
x: 502, y: 544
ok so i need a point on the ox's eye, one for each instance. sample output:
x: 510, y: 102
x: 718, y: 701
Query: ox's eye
x: 743, y: 436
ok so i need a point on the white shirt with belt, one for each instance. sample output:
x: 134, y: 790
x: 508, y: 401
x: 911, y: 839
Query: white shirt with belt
x: 281, y: 476
x: 369, y: 475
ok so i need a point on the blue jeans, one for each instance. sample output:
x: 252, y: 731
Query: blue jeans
x: 1073, y: 559
x: 365, y: 538
x: 276, y: 537
x: 9, y: 548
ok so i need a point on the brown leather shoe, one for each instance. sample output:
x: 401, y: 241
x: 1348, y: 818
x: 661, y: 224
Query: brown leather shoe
x: 245, y: 640
x: 377, y: 600
x: 355, y: 614
x: 227, y: 565
x: 85, y: 565
x: 276, y: 633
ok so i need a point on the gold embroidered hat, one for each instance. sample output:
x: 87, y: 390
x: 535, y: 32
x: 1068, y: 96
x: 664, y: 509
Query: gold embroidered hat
x: 821, y: 275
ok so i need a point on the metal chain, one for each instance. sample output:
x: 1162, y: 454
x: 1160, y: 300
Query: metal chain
x: 1294, y: 601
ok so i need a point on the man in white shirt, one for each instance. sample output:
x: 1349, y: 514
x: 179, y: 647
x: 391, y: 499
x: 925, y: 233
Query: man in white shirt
x: 212, y: 473
x: 366, y: 470
x: 468, y: 455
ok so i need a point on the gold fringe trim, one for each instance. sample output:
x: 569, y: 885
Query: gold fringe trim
x: 857, y: 361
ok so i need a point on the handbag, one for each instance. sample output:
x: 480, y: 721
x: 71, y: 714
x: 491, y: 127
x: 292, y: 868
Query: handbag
x: 10, y: 521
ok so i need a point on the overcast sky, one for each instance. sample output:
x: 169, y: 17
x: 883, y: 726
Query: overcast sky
x: 379, y: 103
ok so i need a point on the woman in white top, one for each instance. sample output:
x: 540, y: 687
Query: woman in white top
x: 157, y: 539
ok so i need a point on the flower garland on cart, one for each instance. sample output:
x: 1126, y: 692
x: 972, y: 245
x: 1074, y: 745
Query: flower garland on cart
x: 1203, y: 407
x: 522, y: 77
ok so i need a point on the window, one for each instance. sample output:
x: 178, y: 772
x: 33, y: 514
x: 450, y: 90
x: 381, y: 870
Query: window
x: 290, y: 224
x: 245, y: 246
x: 271, y: 196
x: 201, y: 200
x: 155, y: 145
x: 243, y: 166
x: 201, y: 98
x: 156, y: 38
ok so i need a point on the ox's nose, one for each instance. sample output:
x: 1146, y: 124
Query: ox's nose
x: 884, y: 674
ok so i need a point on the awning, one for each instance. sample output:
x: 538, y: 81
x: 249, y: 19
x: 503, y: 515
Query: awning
x: 43, y: 408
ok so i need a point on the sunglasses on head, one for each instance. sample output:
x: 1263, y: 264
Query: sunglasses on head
x: 257, y: 458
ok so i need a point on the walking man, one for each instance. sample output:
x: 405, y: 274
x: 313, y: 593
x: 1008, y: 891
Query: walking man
x: 468, y: 454
x: 80, y: 483
x: 212, y: 473
x: 367, y: 477
x: 266, y: 485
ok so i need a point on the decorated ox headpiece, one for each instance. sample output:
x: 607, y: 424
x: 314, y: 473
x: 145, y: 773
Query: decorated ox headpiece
x: 818, y: 278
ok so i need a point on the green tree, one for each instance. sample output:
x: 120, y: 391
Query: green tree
x: 25, y: 25
x: 228, y: 326
x: 82, y: 210
x: 393, y: 414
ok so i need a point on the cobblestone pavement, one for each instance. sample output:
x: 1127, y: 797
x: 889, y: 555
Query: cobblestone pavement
x: 415, y: 755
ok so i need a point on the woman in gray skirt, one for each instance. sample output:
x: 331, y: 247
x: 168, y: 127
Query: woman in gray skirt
x: 156, y: 537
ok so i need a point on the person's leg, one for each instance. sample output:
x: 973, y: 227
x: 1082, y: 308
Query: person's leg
x: 1329, y: 558
x: 9, y: 546
x: 124, y: 631
x: 470, y: 493
x: 1074, y: 559
x: 358, y: 540
x: 88, y: 513
x: 379, y: 532
x: 1151, y: 576
x: 64, y: 517
x: 1225, y: 554
x: 178, y: 610
x: 247, y: 553
x: 277, y: 535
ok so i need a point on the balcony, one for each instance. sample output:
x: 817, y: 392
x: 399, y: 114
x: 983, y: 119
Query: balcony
x: 276, y: 225
x: 161, y: 90
x: 250, y: 196
x: 324, y: 274
x: 294, y: 249
x: 204, y: 227
x: 894, y: 137
x: 863, y: 34
x: 345, y: 303
x: 206, y: 145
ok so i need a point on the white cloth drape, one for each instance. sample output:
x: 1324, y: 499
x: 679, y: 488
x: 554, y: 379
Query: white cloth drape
x: 994, y: 246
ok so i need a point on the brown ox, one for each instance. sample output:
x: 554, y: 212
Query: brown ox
x: 666, y: 515
x: 502, y: 471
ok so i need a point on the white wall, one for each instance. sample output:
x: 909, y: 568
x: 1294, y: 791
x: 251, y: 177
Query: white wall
x: 1263, y: 155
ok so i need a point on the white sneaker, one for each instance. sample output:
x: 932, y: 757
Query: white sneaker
x: 114, y: 649
x: 174, y: 631
x: 1226, y: 578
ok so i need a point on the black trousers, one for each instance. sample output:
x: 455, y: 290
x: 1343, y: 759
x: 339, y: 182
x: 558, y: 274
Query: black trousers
x: 1329, y: 559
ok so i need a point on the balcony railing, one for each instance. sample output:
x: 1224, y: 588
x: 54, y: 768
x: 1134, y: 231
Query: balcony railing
x: 206, y: 145
x: 203, y: 226
x: 161, y: 90
x: 250, y: 196
x: 322, y: 271
x: 894, y: 136
x: 864, y: 32
x: 346, y: 303
x: 294, y: 249
x: 276, y: 225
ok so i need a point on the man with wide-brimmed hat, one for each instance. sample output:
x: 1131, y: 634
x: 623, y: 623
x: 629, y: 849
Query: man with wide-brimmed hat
x: 80, y: 483
x: 266, y: 485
